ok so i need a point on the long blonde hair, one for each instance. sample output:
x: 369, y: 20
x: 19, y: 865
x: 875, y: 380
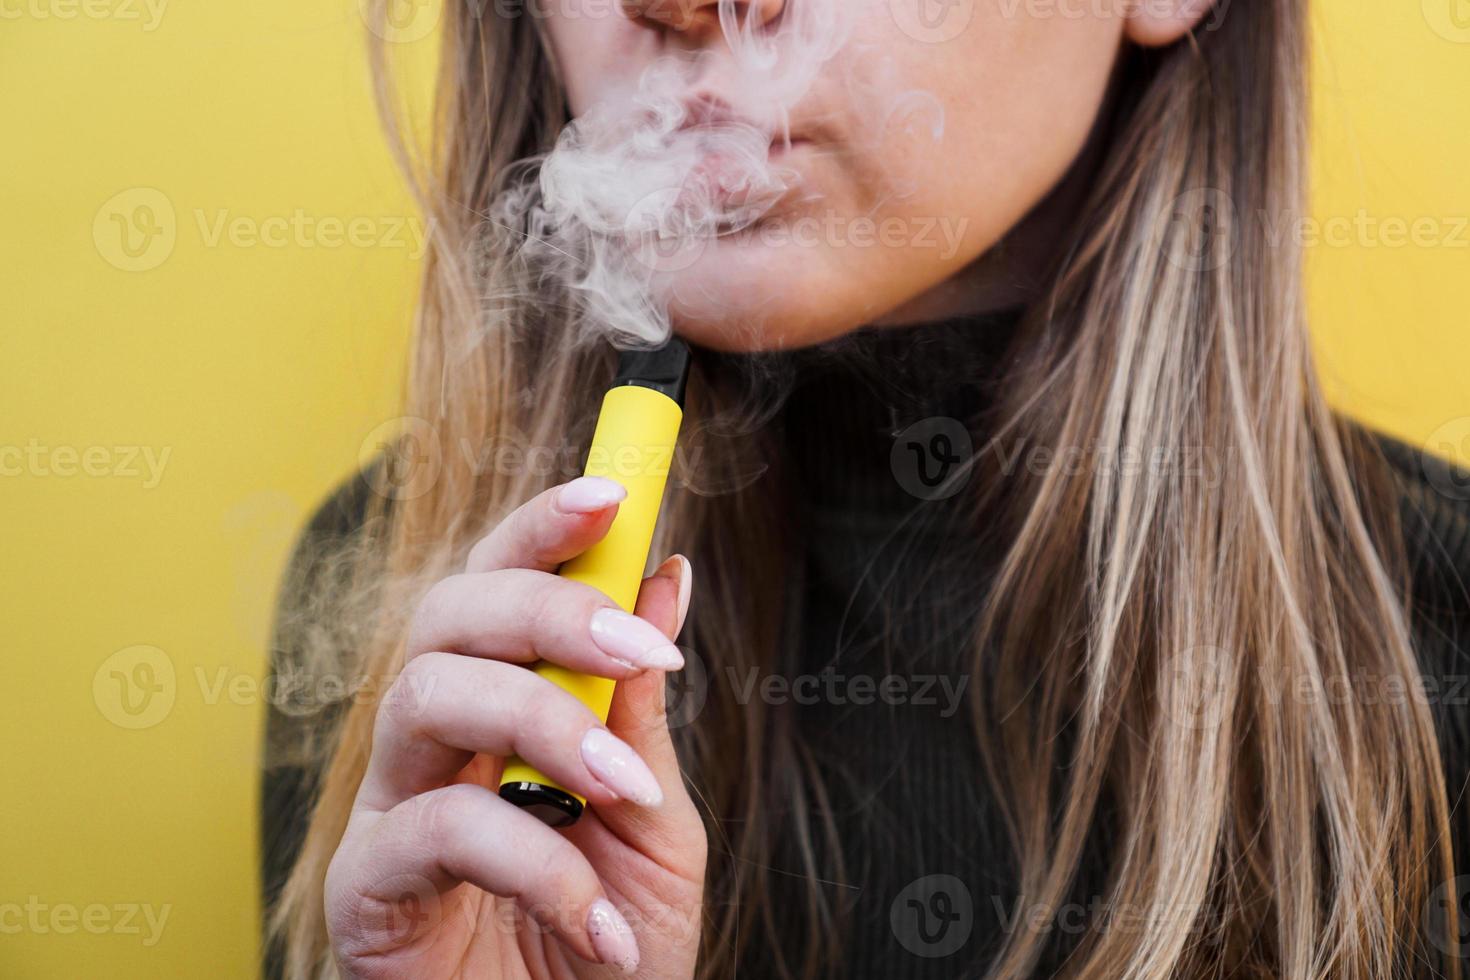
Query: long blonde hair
x: 1290, y: 833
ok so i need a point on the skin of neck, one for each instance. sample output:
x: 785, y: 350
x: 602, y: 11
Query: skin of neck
x: 1015, y: 272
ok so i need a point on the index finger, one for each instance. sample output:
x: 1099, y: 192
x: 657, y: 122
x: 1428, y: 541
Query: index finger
x: 551, y: 527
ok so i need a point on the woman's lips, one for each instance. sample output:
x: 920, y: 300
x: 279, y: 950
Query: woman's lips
x: 738, y: 175
x: 735, y: 179
x: 780, y: 146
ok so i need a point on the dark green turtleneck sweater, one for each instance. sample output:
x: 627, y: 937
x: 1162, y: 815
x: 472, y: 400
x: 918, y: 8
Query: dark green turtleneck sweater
x: 887, y: 577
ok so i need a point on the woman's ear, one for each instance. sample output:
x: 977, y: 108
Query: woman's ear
x: 1156, y: 23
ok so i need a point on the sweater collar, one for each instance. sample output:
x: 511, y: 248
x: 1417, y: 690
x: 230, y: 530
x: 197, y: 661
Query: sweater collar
x: 876, y: 417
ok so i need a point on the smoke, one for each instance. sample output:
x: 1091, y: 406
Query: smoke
x: 639, y: 187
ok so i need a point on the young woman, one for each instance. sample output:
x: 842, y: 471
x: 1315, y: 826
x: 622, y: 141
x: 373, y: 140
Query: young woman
x: 1156, y: 679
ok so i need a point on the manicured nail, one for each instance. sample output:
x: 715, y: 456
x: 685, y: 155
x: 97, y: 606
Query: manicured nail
x: 677, y: 567
x: 631, y: 640
x: 612, y: 937
x: 686, y: 588
x: 618, y: 767
x: 589, y: 494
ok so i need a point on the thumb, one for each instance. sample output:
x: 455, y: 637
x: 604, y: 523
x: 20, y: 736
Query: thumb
x: 663, y: 598
x: 637, y: 714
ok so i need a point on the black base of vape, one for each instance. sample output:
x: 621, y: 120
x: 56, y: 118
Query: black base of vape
x: 551, y: 806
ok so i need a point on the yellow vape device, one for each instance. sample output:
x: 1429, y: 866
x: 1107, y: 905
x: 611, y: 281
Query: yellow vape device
x: 634, y: 445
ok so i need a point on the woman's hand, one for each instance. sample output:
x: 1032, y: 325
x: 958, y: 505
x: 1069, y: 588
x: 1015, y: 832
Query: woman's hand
x: 438, y: 877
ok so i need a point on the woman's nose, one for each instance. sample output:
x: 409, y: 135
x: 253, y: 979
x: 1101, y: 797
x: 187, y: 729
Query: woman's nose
x: 700, y: 16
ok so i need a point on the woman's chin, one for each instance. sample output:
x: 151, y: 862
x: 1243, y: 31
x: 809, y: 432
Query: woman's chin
x: 742, y: 296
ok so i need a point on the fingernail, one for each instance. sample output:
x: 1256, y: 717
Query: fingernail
x: 677, y: 566
x: 618, y: 767
x: 625, y: 637
x: 612, y: 937
x: 686, y: 588
x: 589, y: 494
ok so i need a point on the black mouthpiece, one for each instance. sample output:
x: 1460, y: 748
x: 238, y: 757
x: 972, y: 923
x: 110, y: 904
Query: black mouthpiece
x: 664, y: 369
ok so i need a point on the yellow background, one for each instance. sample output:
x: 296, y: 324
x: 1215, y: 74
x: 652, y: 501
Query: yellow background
x: 262, y: 366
